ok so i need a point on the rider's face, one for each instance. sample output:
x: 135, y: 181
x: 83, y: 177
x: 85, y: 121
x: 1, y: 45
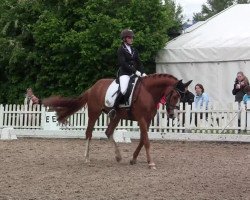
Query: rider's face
x: 129, y: 40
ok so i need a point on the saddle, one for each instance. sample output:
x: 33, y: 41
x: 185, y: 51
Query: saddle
x: 113, y: 90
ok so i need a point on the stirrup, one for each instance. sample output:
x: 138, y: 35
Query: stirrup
x: 112, y: 113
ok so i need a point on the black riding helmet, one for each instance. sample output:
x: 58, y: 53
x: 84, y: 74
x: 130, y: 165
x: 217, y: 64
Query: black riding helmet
x: 127, y: 33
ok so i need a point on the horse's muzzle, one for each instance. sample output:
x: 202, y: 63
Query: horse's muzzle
x: 171, y: 116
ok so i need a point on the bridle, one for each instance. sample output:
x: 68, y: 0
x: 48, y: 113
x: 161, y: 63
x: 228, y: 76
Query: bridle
x: 168, y: 98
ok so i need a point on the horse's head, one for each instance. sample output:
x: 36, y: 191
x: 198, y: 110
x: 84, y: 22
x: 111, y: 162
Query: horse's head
x: 173, y: 97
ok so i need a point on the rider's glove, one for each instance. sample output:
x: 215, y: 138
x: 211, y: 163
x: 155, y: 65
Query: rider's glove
x: 137, y: 73
x: 144, y: 74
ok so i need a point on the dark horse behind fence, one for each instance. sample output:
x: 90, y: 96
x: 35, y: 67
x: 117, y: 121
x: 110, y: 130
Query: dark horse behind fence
x: 147, y: 94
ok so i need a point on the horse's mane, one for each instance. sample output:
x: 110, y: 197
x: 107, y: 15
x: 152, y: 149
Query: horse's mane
x: 154, y: 76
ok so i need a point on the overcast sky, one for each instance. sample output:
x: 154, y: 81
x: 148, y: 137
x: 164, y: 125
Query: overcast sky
x: 190, y: 6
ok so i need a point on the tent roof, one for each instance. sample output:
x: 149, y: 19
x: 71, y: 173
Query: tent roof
x: 223, y: 37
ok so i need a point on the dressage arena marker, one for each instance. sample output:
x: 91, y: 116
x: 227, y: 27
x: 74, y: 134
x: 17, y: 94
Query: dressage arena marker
x: 7, y: 135
x: 50, y: 122
x: 121, y: 136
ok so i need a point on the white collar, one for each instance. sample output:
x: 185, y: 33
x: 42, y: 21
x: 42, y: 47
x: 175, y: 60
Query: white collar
x: 128, y: 48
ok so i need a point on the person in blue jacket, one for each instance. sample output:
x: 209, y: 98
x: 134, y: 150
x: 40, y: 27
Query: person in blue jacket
x: 201, y: 98
x: 246, y: 97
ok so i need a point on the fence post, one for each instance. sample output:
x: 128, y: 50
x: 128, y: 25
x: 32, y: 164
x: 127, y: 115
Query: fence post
x: 86, y: 118
x: 1, y: 116
x: 248, y: 116
x: 187, y: 117
x: 43, y: 117
x: 243, y: 118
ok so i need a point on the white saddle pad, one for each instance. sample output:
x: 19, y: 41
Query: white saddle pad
x: 111, y: 95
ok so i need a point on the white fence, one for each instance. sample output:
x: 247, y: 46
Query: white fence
x: 21, y: 116
x: 216, y: 119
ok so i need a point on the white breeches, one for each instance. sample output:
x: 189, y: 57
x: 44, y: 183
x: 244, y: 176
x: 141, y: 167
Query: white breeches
x: 124, y: 79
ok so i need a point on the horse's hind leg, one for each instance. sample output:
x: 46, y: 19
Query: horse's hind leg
x: 109, y: 132
x: 91, y: 124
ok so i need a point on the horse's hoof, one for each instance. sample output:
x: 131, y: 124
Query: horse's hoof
x: 118, y: 158
x: 132, y: 162
x: 151, y: 166
x: 87, y: 160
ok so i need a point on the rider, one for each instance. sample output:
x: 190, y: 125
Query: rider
x: 129, y: 64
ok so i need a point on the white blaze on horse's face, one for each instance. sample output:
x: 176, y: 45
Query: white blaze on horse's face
x: 173, y: 104
x: 176, y: 110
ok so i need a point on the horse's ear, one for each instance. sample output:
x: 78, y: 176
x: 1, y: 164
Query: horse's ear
x: 179, y: 83
x: 188, y: 83
x: 180, y: 86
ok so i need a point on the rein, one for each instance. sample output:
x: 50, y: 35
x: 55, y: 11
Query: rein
x: 168, y: 98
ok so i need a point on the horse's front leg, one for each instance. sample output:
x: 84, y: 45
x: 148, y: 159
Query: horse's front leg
x: 137, y: 151
x: 140, y: 145
x: 109, y: 132
x: 144, y: 137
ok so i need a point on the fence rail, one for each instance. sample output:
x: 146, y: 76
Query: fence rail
x: 216, y: 119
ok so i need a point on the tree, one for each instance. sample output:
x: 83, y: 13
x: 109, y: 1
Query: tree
x: 213, y: 7
x: 63, y: 47
x: 177, y: 11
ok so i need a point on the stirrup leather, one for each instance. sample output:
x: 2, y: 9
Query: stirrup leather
x: 112, y: 113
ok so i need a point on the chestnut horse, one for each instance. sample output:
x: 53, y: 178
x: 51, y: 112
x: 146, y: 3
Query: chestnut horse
x: 147, y: 93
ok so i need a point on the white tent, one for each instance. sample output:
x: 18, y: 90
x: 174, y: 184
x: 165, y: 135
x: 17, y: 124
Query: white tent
x: 212, y: 53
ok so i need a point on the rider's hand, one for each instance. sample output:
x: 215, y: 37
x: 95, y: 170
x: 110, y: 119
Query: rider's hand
x: 137, y: 73
x: 144, y: 74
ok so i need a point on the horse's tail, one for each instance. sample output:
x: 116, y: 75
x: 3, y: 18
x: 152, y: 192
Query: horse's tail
x: 65, y: 107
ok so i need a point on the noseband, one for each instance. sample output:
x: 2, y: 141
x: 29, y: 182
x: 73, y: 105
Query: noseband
x: 168, y: 98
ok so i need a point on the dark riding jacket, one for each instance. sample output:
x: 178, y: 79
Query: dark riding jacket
x: 129, y: 62
x: 239, y: 93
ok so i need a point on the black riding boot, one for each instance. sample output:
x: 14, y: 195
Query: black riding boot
x: 112, y: 112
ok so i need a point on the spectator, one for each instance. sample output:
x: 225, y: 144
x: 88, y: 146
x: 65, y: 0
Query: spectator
x: 30, y: 98
x: 241, y: 82
x: 201, y: 98
x: 246, y: 97
x: 188, y: 96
